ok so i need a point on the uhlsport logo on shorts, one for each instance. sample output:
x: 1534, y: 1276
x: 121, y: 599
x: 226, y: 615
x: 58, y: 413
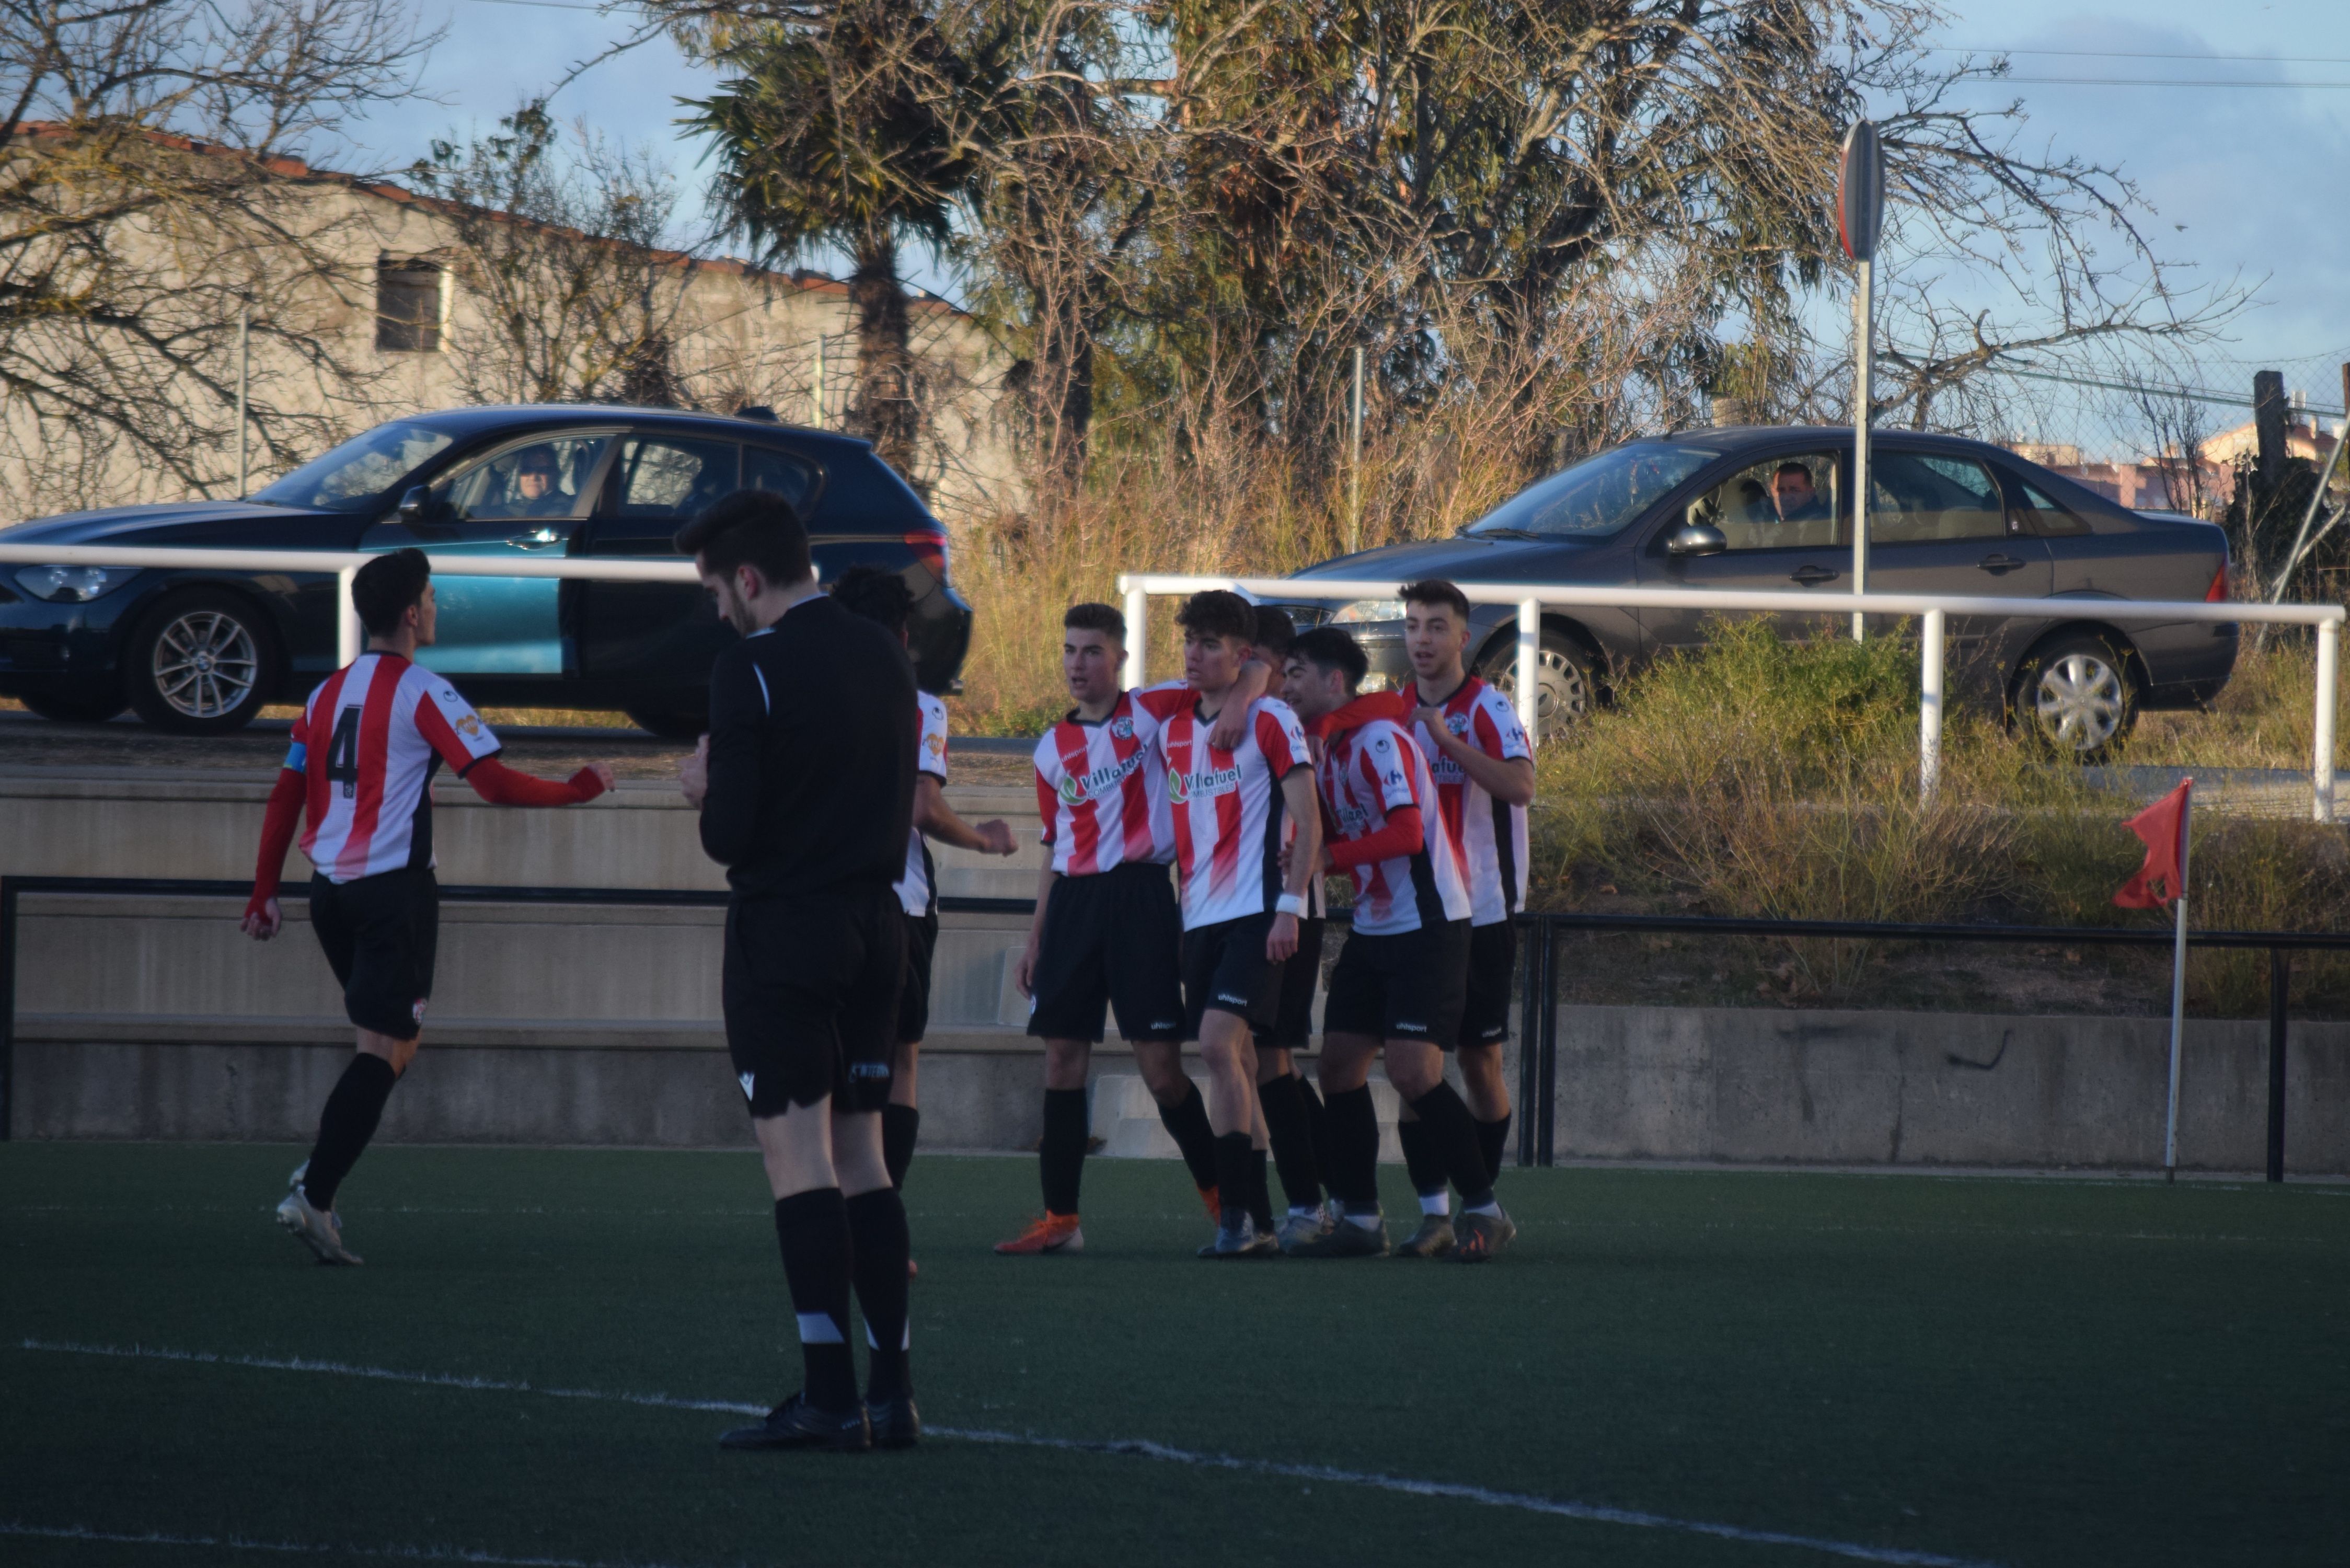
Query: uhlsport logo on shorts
x: 1405, y: 1026
x: 745, y: 1080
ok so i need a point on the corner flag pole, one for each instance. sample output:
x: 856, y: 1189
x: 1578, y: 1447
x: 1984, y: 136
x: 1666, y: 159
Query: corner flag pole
x: 2177, y: 999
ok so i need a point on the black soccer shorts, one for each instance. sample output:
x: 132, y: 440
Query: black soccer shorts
x: 1492, y: 965
x: 1109, y: 944
x: 1293, y: 1019
x: 1407, y: 986
x: 914, y: 990
x: 810, y: 988
x: 1225, y: 969
x: 380, y: 934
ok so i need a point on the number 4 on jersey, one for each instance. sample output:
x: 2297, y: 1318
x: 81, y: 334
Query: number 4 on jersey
x: 343, y: 753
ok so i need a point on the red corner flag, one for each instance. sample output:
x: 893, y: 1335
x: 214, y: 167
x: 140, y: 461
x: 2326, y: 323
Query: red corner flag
x: 2163, y: 825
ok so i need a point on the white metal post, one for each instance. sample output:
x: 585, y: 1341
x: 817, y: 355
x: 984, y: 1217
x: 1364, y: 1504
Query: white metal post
x: 1929, y: 706
x: 1137, y: 637
x: 815, y: 387
x: 1864, y: 321
x: 2177, y: 997
x: 2321, y: 764
x: 243, y: 382
x: 1355, y: 461
x: 350, y: 637
x: 1530, y: 666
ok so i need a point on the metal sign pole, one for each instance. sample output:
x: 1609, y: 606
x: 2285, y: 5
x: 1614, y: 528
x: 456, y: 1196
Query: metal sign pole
x: 1864, y: 316
x: 1860, y: 217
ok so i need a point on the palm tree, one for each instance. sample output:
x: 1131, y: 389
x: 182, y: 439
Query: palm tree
x: 837, y: 126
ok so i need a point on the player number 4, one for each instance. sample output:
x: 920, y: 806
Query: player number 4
x: 343, y: 753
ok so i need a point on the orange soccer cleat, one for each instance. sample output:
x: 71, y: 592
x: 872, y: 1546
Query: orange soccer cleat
x: 1215, y: 1204
x: 1053, y: 1233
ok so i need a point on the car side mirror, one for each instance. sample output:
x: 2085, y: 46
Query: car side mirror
x: 1696, y: 539
x: 414, y: 504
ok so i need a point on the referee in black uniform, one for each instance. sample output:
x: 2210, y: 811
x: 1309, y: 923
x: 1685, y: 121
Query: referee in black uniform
x: 805, y: 786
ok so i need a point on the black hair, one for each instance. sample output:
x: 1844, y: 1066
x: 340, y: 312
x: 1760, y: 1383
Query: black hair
x: 1213, y: 612
x: 1437, y: 591
x: 383, y: 590
x: 1330, y: 648
x: 1275, y: 632
x: 749, y: 528
x: 1100, y: 617
x: 876, y: 593
x: 1792, y: 466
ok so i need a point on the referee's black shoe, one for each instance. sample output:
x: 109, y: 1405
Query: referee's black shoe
x: 895, y: 1424
x: 796, y: 1424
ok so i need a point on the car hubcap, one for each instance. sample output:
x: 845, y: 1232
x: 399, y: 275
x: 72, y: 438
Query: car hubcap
x: 205, y: 664
x: 2079, y: 702
x: 1564, y: 697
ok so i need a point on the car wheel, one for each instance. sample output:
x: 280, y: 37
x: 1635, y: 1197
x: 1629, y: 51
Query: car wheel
x: 1567, y: 692
x: 2075, y: 697
x: 672, y: 724
x: 77, y: 705
x: 201, y: 663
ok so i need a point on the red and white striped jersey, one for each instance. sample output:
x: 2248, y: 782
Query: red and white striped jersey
x: 1101, y: 790
x: 1365, y: 773
x: 917, y: 887
x: 1488, y: 837
x: 367, y: 745
x: 1226, y: 806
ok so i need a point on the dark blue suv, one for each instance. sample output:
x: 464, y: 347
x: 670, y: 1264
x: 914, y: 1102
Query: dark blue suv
x: 201, y: 650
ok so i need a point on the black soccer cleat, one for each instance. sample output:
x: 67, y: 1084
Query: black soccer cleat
x: 895, y: 1424
x: 796, y: 1424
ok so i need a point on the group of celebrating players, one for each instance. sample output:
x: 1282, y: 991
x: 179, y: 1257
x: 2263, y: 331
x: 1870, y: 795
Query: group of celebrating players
x: 818, y: 786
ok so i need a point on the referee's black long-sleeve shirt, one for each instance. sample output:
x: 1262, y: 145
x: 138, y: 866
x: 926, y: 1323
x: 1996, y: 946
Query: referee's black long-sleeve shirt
x: 812, y: 740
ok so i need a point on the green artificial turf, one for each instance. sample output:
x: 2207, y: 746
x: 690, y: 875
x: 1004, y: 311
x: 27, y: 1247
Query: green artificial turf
x: 2024, y: 1372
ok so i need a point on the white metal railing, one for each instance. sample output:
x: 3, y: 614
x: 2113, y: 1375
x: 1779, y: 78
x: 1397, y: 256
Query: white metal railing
x: 1932, y: 611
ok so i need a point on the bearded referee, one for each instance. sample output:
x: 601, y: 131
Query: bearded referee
x: 805, y: 786
x: 362, y: 764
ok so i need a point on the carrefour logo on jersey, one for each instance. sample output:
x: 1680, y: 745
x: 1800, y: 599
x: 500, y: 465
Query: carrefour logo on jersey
x: 1182, y: 787
x: 1078, y: 787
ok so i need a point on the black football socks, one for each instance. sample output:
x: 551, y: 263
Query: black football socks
x: 1260, y: 1196
x: 1287, y: 1124
x: 349, y: 1119
x: 1452, y: 1134
x: 1420, y: 1161
x: 879, y: 1244
x: 1234, y: 1159
x: 1061, y: 1157
x: 813, y: 1228
x: 1354, y: 1170
x: 1492, y: 1138
x: 900, y: 1125
x: 1187, y: 1122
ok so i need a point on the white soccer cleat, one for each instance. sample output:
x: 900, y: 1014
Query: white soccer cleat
x: 315, y: 1228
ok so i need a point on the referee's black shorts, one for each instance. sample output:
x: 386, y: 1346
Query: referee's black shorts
x: 1410, y: 985
x: 914, y: 990
x: 1492, y: 965
x: 810, y: 986
x: 1293, y: 1018
x: 380, y: 934
x: 1109, y: 944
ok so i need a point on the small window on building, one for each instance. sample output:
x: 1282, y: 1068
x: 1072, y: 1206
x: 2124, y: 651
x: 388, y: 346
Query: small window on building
x: 407, y: 306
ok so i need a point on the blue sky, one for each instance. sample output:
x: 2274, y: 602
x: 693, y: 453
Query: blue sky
x: 2245, y: 181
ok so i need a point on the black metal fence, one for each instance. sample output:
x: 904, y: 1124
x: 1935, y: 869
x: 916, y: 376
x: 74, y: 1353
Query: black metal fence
x: 1538, y: 1035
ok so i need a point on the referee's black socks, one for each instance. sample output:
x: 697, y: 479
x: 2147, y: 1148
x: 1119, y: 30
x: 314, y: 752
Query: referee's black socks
x: 1452, y: 1136
x: 879, y: 1244
x: 812, y: 1229
x: 345, y: 1125
x: 899, y: 1126
x: 1187, y: 1122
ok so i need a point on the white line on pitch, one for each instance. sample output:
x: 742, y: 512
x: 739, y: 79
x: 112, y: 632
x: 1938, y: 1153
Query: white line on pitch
x: 294, y: 1548
x: 1136, y: 1447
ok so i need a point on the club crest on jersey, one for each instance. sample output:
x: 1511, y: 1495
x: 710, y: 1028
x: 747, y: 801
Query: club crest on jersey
x: 1457, y: 723
x: 1122, y: 728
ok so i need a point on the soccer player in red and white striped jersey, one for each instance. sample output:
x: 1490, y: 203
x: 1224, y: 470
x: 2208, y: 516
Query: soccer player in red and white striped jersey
x: 1105, y: 932
x: 1400, y: 982
x: 1484, y: 772
x: 361, y: 767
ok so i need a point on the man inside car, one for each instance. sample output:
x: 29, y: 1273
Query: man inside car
x: 1793, y: 495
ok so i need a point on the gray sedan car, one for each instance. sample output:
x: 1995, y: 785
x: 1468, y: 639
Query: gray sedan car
x: 1765, y: 509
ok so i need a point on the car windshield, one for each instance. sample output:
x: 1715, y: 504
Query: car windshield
x: 356, y: 475
x: 1597, y: 496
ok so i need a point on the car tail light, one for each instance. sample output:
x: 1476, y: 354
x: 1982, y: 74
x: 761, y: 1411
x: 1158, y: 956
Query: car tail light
x: 929, y: 547
x: 2217, y: 594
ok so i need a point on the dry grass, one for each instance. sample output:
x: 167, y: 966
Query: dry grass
x: 2263, y: 718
